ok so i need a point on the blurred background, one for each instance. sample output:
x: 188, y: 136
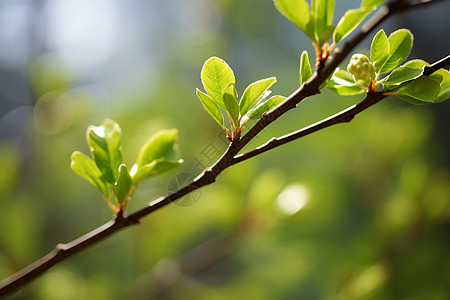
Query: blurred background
x: 356, y: 211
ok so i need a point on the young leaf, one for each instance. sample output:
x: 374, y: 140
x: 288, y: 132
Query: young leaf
x: 325, y: 34
x: 270, y: 104
x: 349, y: 21
x: 402, y: 74
x: 210, y: 106
x: 342, y: 83
x: 158, y: 155
x: 416, y: 63
x: 298, y: 12
x: 152, y: 169
x: 86, y: 168
x: 400, y: 44
x: 344, y: 90
x: 443, y: 77
x: 322, y: 13
x: 105, y: 145
x: 253, y: 94
x: 231, y: 105
x: 305, y: 68
x: 372, y: 3
x: 216, y: 75
x: 379, y: 50
x: 159, y: 146
x: 422, y: 89
x: 123, y: 185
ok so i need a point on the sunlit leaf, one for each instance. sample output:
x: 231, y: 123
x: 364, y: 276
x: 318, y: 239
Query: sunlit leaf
x: 123, y: 185
x: 231, y: 105
x: 325, y: 34
x: 298, y: 12
x: 159, y: 154
x: 390, y: 82
x: 400, y: 44
x: 210, y: 106
x: 416, y: 63
x: 346, y: 90
x: 443, y: 77
x: 322, y: 14
x: 216, y: 75
x: 372, y: 3
x: 305, y: 68
x: 379, y: 50
x: 270, y: 104
x: 154, y: 168
x: 86, y: 168
x: 105, y: 146
x: 253, y: 94
x: 342, y: 83
x: 349, y: 21
x: 159, y: 146
x: 402, y: 74
x: 423, y: 89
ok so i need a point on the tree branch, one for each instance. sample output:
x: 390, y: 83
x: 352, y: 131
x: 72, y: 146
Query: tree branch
x: 311, y: 87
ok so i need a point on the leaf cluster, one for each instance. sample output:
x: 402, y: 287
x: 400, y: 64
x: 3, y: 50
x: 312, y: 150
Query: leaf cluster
x: 316, y: 21
x: 221, y: 97
x: 106, y: 169
x: 405, y: 81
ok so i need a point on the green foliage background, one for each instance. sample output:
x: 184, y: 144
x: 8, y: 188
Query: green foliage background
x: 375, y: 224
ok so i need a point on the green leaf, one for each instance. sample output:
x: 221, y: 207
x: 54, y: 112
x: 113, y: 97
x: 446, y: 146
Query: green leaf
x: 342, y: 77
x: 159, y: 154
x: 154, y: 168
x: 379, y: 50
x: 342, y: 83
x: 298, y: 12
x: 210, y: 106
x: 443, y: 77
x: 305, y: 68
x: 159, y: 146
x: 270, y: 104
x: 216, y: 76
x: 322, y: 15
x: 372, y: 3
x: 86, y: 168
x: 401, y: 74
x: 325, y: 34
x: 400, y: 44
x: 231, y: 105
x: 349, y: 21
x: 423, y: 89
x: 346, y: 90
x: 105, y: 145
x: 123, y: 185
x: 416, y: 64
x: 254, y: 93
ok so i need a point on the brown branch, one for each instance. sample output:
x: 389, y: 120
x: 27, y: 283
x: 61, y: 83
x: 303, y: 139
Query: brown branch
x: 311, y: 87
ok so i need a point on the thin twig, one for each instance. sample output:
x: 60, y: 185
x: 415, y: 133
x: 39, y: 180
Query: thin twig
x: 428, y: 70
x: 311, y: 87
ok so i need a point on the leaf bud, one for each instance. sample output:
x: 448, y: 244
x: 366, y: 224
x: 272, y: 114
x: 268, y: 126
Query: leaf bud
x: 361, y: 69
